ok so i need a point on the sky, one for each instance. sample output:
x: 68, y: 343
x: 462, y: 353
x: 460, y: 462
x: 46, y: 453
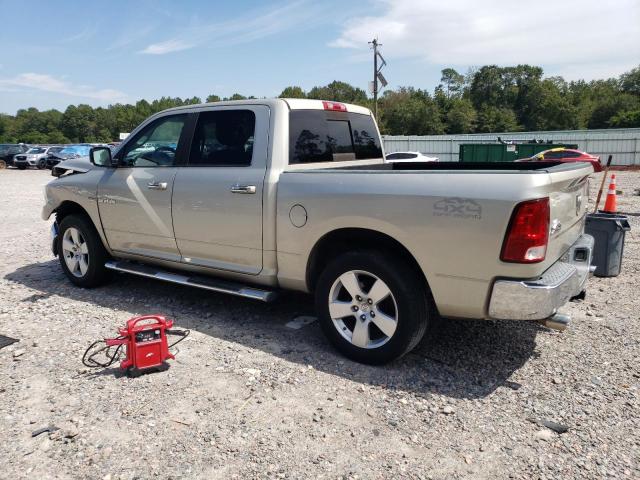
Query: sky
x: 53, y: 54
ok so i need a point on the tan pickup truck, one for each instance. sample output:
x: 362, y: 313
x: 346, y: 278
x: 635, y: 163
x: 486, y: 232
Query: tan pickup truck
x: 255, y: 196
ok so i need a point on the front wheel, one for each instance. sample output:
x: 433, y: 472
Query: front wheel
x: 81, y: 252
x: 372, y: 308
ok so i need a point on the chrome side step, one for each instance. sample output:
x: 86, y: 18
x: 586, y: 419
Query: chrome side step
x: 206, y: 283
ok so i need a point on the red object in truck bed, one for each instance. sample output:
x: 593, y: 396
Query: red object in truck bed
x: 565, y: 155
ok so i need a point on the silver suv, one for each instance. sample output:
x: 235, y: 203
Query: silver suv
x: 34, y: 157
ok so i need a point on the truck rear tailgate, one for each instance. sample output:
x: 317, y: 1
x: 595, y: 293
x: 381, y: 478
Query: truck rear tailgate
x: 568, y: 195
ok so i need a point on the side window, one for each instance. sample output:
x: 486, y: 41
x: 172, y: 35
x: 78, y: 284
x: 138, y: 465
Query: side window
x: 155, y: 145
x: 223, y: 138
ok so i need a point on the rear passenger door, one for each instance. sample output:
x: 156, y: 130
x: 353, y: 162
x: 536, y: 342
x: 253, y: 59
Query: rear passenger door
x: 217, y: 196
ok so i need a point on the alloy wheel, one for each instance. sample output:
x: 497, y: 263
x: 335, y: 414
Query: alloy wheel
x: 363, y: 309
x: 75, y: 251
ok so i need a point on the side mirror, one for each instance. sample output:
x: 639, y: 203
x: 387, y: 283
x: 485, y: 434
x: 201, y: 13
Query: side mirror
x: 101, y: 156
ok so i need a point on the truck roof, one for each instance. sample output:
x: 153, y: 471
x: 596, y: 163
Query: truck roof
x: 292, y: 104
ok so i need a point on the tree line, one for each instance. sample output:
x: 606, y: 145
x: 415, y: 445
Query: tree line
x: 486, y: 99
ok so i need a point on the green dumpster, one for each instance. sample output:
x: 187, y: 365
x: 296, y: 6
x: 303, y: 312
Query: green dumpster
x: 503, y: 152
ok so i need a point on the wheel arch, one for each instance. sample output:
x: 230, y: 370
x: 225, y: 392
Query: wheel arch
x: 343, y: 240
x: 69, y: 207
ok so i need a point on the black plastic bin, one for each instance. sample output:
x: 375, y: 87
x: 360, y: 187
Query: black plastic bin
x: 608, y: 230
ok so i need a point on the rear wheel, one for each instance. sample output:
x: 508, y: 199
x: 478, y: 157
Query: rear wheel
x: 3, y: 164
x: 371, y: 307
x: 41, y: 164
x: 81, y: 252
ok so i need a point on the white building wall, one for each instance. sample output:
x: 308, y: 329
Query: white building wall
x: 623, y: 144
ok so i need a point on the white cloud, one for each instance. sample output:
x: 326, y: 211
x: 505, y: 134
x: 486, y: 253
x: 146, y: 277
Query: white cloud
x: 592, y: 35
x: 241, y: 30
x: 167, y: 46
x: 48, y: 83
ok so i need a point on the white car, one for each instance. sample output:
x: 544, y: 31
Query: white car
x: 399, y: 157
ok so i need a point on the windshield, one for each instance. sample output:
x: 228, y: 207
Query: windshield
x: 35, y: 150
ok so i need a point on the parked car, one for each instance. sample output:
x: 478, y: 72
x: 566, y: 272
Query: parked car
x: 68, y: 152
x: 565, y: 155
x: 262, y: 195
x: 409, y: 157
x: 34, y: 157
x: 8, y: 151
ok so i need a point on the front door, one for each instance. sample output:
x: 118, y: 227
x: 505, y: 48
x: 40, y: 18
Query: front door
x: 217, y: 196
x: 134, y: 199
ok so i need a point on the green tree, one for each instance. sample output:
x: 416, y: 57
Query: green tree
x: 408, y: 111
x: 462, y: 117
x: 213, y: 98
x: 452, y: 81
x: 497, y: 119
x: 339, y: 92
x: 292, y: 92
x: 630, y: 81
x: 628, y: 119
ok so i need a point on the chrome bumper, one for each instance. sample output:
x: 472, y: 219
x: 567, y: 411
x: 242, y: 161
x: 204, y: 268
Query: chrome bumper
x: 541, y: 298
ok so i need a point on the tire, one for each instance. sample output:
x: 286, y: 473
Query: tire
x: 387, y: 325
x: 41, y: 164
x: 21, y: 167
x: 3, y: 164
x: 88, y: 269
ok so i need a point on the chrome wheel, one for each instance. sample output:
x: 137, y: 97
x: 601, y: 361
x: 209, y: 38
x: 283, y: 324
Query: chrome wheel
x: 363, y: 309
x: 75, y: 251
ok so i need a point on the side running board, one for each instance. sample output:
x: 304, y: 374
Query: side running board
x: 203, y: 282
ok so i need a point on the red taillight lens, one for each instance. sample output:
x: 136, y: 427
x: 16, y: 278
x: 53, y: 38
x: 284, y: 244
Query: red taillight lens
x: 335, y: 106
x: 528, y: 233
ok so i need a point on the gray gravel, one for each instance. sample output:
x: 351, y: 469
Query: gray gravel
x: 249, y: 397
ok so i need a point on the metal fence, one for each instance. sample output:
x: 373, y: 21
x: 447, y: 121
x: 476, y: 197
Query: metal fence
x: 623, y: 144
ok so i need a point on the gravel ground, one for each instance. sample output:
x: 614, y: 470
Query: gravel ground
x: 249, y: 397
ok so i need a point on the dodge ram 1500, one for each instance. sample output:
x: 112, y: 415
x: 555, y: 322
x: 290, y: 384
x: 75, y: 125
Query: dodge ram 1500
x: 250, y: 197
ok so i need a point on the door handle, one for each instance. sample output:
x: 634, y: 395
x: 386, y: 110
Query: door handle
x: 246, y: 189
x: 157, y: 185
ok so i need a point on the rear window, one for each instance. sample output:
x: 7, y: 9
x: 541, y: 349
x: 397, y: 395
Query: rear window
x: 328, y: 136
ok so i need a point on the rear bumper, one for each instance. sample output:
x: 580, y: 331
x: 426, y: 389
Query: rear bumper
x: 541, y: 298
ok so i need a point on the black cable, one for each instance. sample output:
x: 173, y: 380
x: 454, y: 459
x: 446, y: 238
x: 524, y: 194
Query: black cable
x: 91, y: 362
x: 182, y: 333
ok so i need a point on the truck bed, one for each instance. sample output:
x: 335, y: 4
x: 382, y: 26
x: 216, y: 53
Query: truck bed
x: 492, y: 167
x: 451, y: 216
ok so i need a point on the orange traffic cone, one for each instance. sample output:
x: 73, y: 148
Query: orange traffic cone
x: 610, y: 205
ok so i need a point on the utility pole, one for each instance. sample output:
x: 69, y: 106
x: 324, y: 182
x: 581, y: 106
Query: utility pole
x: 377, y: 75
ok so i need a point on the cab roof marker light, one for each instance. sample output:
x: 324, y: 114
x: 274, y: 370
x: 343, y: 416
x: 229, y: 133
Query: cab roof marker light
x: 335, y: 106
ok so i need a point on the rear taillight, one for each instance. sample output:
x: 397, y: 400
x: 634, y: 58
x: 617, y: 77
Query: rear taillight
x: 335, y: 106
x: 528, y: 233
